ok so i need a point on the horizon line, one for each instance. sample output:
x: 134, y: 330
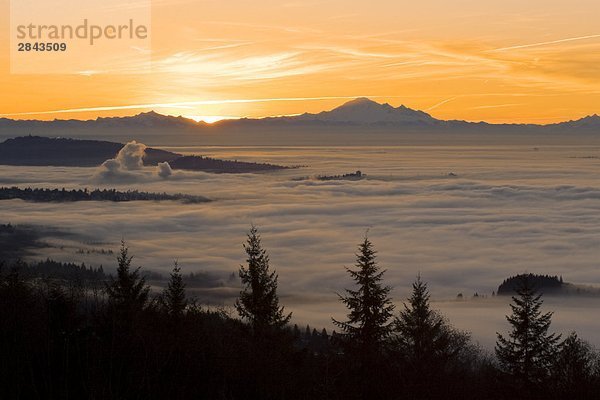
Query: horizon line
x: 194, y: 117
x: 188, y: 104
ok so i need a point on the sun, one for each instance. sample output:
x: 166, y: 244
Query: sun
x: 209, y: 119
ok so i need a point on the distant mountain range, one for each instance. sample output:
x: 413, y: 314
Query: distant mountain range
x: 365, y: 112
x: 361, y: 114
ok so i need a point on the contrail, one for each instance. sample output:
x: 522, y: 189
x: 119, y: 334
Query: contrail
x: 524, y: 46
x: 497, y: 106
x: 185, y: 104
x: 440, y: 103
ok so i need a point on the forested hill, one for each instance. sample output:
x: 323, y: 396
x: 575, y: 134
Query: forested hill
x: 543, y: 283
x: 208, y: 164
x: 47, y: 151
x: 42, y: 151
x: 549, y: 285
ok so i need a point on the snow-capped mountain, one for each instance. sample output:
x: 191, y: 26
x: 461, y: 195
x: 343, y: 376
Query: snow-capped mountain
x: 366, y: 111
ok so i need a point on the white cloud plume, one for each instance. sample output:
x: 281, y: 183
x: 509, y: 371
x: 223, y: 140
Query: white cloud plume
x: 131, y: 155
x: 164, y: 170
x: 120, y: 168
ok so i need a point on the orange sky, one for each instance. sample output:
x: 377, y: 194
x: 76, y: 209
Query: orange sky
x: 536, y: 61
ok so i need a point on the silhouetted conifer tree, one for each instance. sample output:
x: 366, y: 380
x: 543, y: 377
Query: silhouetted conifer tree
x: 258, y: 302
x: 573, y: 369
x: 128, y: 291
x: 421, y: 331
x: 296, y: 332
x: 526, y: 355
x: 370, y: 306
x: 428, y: 347
x: 365, y: 333
x: 173, y: 298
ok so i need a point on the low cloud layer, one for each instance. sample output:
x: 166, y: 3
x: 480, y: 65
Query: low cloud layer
x: 507, y: 211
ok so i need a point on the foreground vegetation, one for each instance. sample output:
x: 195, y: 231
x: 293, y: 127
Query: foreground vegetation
x: 61, y: 339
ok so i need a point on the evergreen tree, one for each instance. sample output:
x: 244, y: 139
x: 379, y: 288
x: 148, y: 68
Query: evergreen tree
x: 258, y: 302
x: 370, y: 307
x: 428, y: 347
x: 296, y: 332
x: 573, y: 369
x: 128, y: 292
x: 173, y: 299
x: 365, y: 333
x: 421, y: 332
x: 527, y: 353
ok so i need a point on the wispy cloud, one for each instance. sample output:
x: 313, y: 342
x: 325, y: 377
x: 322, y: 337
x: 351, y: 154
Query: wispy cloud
x: 265, y: 27
x: 433, y: 107
x: 185, y: 104
x: 349, y: 51
x: 497, y: 106
x: 538, y: 44
x: 227, y: 46
x: 225, y: 65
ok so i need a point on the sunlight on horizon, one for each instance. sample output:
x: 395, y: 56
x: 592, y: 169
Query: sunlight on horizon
x: 210, y: 119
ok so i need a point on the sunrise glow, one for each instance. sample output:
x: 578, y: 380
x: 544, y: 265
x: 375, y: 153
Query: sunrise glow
x: 209, y: 119
x: 485, y: 61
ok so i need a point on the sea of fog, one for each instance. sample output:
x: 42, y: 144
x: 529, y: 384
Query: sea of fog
x: 464, y: 218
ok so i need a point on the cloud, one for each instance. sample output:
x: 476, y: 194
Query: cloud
x: 260, y: 66
x: 508, y: 211
x: 433, y: 107
x: 122, y: 167
x: 538, y: 44
x: 128, y: 167
x: 188, y: 104
x: 130, y: 157
x: 164, y: 170
x: 111, y: 167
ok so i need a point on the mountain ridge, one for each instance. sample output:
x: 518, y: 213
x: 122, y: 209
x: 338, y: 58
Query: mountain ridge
x: 358, y: 122
x: 361, y: 110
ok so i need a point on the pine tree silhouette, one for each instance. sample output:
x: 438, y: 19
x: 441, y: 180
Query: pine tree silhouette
x: 573, y: 369
x: 370, y: 307
x: 526, y: 355
x: 128, y: 292
x: 258, y: 302
x: 421, y: 331
x: 173, y: 298
x: 428, y: 347
x: 365, y: 333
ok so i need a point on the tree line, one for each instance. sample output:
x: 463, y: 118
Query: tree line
x: 113, y: 195
x: 122, y: 341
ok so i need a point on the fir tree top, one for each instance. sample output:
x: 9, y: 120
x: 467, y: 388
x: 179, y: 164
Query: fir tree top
x: 174, y: 299
x: 129, y: 290
x: 528, y: 351
x: 370, y: 308
x: 258, y: 302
